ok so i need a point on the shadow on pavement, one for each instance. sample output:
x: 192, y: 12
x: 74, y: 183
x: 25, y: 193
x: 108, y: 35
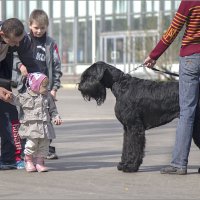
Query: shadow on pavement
x: 86, y: 160
x: 72, y: 166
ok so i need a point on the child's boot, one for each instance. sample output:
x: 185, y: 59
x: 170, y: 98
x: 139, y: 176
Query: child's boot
x: 28, y: 159
x: 40, y: 165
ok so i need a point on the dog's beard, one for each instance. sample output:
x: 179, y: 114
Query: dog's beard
x: 93, y: 90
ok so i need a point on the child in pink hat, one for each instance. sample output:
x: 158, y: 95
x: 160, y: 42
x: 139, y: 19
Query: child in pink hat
x: 35, y: 80
x: 37, y: 110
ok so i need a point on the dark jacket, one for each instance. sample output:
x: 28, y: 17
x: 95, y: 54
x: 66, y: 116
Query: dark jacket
x: 26, y: 56
x: 53, y: 62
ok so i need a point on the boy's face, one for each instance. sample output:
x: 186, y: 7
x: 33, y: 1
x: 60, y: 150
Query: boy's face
x: 38, y: 29
x: 11, y: 40
x: 44, y: 86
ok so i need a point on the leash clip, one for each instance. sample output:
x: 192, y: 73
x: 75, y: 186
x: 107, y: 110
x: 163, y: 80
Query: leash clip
x: 157, y: 70
x: 141, y: 65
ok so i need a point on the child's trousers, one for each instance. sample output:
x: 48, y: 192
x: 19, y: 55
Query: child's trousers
x: 38, y: 147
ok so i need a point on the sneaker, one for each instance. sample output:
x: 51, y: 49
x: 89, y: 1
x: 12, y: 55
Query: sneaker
x: 51, y: 156
x: 20, y: 164
x: 17, y: 165
x: 173, y: 170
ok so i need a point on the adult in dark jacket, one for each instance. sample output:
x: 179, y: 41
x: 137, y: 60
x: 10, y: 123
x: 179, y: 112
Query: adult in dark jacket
x: 12, y: 39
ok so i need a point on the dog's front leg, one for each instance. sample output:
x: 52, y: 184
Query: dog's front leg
x: 124, y: 149
x: 134, y: 151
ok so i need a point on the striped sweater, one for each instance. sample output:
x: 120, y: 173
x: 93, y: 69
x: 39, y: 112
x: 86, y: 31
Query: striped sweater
x: 189, y: 14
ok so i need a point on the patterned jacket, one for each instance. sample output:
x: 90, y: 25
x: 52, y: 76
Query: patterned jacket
x: 53, y: 64
x: 35, y: 114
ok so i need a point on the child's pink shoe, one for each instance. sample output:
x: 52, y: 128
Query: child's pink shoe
x: 29, y: 163
x: 40, y: 165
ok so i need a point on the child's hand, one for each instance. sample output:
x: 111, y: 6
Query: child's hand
x: 23, y: 70
x: 53, y: 93
x: 8, y: 98
x: 5, y: 94
x: 57, y: 121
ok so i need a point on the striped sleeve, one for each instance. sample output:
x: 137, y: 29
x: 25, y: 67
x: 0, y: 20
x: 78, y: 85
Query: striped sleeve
x: 175, y: 27
x: 168, y: 37
x: 192, y: 33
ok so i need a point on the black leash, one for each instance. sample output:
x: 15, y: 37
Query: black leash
x: 165, y: 72
x: 7, y: 83
x: 157, y: 70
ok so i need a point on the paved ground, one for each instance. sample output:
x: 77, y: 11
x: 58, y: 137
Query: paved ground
x: 89, y: 146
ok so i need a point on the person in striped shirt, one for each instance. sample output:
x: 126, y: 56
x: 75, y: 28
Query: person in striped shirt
x: 188, y: 14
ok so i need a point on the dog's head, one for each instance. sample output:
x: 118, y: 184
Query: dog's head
x: 91, y: 83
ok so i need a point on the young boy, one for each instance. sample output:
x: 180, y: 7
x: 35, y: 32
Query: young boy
x: 12, y: 39
x: 45, y: 52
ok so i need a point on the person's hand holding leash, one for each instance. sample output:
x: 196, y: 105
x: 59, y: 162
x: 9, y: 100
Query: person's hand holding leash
x: 148, y: 62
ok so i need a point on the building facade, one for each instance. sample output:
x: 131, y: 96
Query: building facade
x: 120, y: 32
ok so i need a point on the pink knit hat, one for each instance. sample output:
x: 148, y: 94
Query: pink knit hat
x: 34, y: 80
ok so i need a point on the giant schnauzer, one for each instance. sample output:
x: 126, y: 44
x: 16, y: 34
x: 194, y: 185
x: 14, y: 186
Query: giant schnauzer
x: 140, y: 105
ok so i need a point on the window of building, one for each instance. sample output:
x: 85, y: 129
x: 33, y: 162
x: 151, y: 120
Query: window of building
x: 69, y: 8
x: 45, y: 6
x: 67, y: 54
x: 156, y: 6
x: 108, y: 7
x: 56, y: 9
x: 120, y: 7
x: 149, y: 6
x: 167, y: 5
x: 22, y: 10
x: 9, y: 9
x: 81, y: 8
x: 136, y: 6
x: 32, y: 6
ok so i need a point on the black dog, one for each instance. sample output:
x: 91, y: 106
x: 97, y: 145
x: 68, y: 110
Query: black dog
x: 140, y: 105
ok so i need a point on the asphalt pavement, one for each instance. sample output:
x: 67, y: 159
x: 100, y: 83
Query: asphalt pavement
x: 89, y: 144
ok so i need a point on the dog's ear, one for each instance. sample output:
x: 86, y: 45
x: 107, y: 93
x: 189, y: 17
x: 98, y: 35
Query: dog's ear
x: 104, y: 75
x: 107, y: 79
x: 90, y: 84
x: 100, y: 69
x: 95, y: 71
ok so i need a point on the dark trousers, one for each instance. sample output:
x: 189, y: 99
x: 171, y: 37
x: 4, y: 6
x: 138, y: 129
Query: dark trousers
x: 10, y: 140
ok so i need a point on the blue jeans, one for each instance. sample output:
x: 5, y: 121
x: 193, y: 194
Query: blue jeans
x: 189, y: 76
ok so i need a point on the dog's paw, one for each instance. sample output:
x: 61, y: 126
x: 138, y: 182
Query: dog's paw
x: 129, y: 168
x: 120, y: 166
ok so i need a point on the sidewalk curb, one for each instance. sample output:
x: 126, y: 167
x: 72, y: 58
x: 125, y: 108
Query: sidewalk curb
x: 69, y: 86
